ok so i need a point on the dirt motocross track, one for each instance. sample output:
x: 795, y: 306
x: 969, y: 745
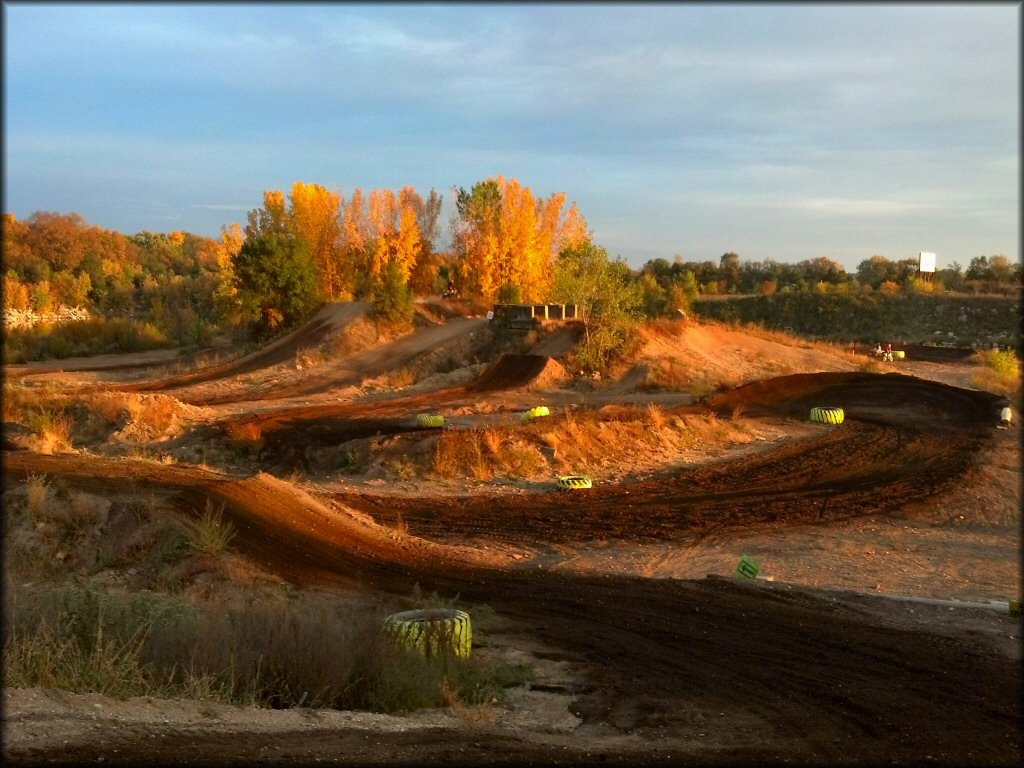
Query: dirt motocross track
x: 713, y: 670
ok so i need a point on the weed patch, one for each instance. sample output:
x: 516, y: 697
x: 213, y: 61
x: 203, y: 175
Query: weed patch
x: 276, y: 651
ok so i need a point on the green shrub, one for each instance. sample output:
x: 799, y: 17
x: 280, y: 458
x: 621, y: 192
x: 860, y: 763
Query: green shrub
x: 393, y: 300
x: 1003, y: 362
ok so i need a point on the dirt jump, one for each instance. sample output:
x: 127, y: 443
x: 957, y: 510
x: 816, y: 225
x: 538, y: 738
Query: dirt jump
x: 707, y: 671
x: 328, y: 320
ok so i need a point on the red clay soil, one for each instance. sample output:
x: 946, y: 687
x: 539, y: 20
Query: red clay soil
x: 790, y: 676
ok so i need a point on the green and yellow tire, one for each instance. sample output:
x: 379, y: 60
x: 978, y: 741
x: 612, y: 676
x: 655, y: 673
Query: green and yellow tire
x: 430, y: 420
x: 574, y: 482
x: 827, y: 415
x: 536, y: 413
x: 899, y: 354
x: 431, y: 631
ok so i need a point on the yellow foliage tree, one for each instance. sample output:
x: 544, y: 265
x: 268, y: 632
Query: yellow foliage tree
x: 356, y: 236
x: 503, y: 236
x: 395, y: 233
x: 226, y: 294
x: 314, y: 219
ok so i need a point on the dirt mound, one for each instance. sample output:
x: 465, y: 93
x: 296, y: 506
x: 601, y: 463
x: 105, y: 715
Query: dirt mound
x: 733, y: 356
x: 512, y: 371
x: 552, y: 375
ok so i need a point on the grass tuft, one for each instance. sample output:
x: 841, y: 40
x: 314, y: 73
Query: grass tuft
x: 210, y: 533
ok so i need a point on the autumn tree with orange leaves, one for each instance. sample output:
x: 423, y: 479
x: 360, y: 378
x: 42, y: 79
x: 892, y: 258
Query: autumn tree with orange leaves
x: 385, y: 228
x: 506, y: 240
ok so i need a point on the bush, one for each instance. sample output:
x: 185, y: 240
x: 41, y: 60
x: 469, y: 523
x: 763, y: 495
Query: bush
x: 1002, y: 361
x: 96, y: 336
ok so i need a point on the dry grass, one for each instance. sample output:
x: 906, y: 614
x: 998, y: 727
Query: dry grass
x: 583, y: 442
x: 999, y: 372
x: 787, y: 339
x: 667, y: 328
x: 668, y: 373
x: 261, y: 644
x: 483, y: 454
x: 400, y: 379
x: 57, y: 418
x: 37, y: 499
x: 209, y: 533
x: 52, y: 428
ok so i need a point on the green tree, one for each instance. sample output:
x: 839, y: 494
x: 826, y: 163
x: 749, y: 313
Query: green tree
x: 875, y: 271
x: 276, y: 280
x: 655, y: 296
x: 683, y: 291
x: 729, y: 272
x: 822, y: 270
x: 608, y: 301
x: 391, y: 296
x: 1001, y: 269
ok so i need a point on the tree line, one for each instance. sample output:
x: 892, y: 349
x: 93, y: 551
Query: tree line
x: 313, y: 245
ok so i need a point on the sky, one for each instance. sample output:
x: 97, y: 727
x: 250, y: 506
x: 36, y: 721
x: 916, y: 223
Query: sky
x: 774, y: 131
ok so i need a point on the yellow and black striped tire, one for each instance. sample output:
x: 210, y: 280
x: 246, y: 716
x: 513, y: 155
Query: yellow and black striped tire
x: 536, y: 413
x: 432, y: 631
x: 574, y: 482
x: 899, y: 354
x: 430, y: 420
x: 827, y: 415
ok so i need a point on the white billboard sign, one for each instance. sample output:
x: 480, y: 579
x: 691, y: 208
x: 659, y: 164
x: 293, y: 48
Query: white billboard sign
x: 926, y: 262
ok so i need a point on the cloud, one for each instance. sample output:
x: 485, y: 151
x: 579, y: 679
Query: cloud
x: 847, y: 207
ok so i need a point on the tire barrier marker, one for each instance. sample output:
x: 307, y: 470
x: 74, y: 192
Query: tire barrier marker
x: 828, y: 415
x: 431, y: 631
x: 536, y: 413
x: 748, y: 568
x: 429, y: 420
x: 1014, y: 607
x: 569, y: 482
